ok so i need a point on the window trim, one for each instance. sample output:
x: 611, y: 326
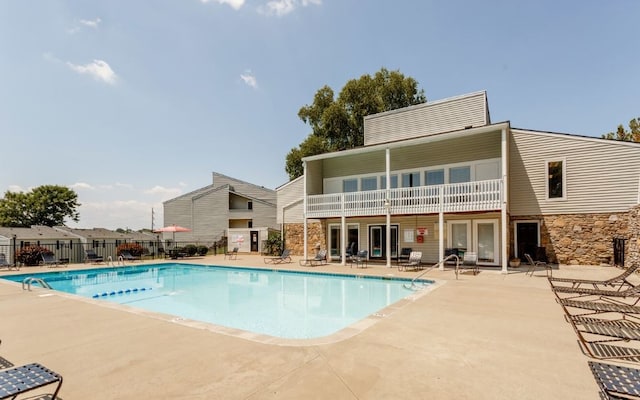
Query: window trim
x: 564, y: 179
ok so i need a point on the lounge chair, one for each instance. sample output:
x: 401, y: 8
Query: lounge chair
x: 537, y: 264
x: 599, y: 307
x: 360, y: 259
x: 50, y: 260
x: 319, y: 259
x: 233, y: 254
x: 4, y: 263
x: 125, y: 255
x: 281, y: 259
x: 92, y: 257
x: 616, y: 382
x: 574, y: 292
x: 620, y: 279
x: 25, y: 378
x: 4, y: 363
x: 403, y: 257
x: 600, y: 338
x: 414, y: 262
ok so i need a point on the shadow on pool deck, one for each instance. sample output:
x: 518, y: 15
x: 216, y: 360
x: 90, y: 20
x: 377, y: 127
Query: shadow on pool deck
x: 490, y: 336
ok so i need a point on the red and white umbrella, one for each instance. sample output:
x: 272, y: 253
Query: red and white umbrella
x: 173, y: 229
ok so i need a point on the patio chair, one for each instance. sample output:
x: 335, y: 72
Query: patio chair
x: 620, y: 279
x: 233, y: 254
x: 360, y: 259
x: 25, y: 378
x: 351, y: 251
x: 615, y: 381
x: 469, y: 263
x: 92, y: 257
x: 403, y: 257
x: 281, y: 259
x: 601, y: 338
x: 125, y: 255
x: 537, y: 264
x: 319, y: 259
x: 414, y: 262
x: 50, y: 260
x: 4, y: 263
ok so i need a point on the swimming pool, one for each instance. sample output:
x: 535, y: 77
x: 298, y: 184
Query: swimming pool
x: 283, y: 304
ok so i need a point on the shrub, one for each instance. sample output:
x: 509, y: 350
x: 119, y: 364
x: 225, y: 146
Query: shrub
x: 135, y: 249
x: 203, y: 250
x: 190, y: 249
x: 31, y: 255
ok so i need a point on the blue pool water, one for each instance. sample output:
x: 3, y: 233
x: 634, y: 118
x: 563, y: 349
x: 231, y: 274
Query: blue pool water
x: 277, y: 303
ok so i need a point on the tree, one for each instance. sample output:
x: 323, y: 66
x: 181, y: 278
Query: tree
x: 46, y: 205
x: 338, y: 124
x: 632, y: 135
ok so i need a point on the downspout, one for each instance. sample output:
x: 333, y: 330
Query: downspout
x: 505, y: 191
x: 387, y: 204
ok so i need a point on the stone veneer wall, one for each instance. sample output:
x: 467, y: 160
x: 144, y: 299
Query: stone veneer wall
x: 585, y: 239
x: 294, y: 238
x: 632, y: 246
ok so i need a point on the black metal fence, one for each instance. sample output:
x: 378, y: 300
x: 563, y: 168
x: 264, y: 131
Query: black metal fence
x: 74, y: 251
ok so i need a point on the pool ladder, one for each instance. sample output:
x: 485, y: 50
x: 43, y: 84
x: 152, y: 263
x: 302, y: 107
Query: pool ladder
x: 28, y: 281
x: 414, y: 286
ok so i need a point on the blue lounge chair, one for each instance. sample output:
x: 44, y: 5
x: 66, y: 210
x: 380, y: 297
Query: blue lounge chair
x: 92, y: 257
x: 25, y: 378
x: 50, y: 260
x: 319, y: 259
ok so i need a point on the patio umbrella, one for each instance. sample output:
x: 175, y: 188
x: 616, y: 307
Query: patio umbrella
x: 173, y: 229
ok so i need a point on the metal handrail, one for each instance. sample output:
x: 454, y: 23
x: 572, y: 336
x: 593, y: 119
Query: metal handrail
x: 29, y: 280
x: 413, y: 285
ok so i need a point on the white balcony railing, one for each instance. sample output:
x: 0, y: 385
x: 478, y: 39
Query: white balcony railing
x: 455, y: 197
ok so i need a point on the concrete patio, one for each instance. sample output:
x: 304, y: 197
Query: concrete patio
x: 490, y: 336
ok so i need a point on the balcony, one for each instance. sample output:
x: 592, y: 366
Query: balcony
x: 455, y: 197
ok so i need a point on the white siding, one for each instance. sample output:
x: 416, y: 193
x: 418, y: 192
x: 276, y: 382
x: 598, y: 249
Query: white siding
x: 601, y: 175
x: 446, y: 115
x: 290, y: 196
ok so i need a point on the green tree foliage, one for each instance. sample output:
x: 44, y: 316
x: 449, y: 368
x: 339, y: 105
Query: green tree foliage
x: 631, y: 135
x: 46, y: 205
x: 338, y: 123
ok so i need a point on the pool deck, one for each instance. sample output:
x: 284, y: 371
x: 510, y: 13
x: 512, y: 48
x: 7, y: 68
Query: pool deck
x: 489, y: 336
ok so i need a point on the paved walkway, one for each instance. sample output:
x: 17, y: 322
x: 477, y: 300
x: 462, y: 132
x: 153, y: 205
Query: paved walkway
x: 490, y: 336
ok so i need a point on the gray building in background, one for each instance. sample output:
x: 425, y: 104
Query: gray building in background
x: 227, y: 203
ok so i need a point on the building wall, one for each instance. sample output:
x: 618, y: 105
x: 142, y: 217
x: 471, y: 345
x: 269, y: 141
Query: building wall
x: 290, y: 199
x: 294, y: 237
x: 601, y: 175
x: 446, y: 115
x: 578, y: 239
x: 245, y: 188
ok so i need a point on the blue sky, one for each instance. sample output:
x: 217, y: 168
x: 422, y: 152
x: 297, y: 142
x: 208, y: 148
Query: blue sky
x: 131, y: 103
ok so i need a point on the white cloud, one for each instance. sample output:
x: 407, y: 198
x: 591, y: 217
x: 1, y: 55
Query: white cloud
x: 99, y: 69
x: 81, y: 185
x: 91, y: 23
x: 249, y: 79
x: 235, y: 4
x: 16, y: 189
x: 284, y: 7
x: 163, y: 192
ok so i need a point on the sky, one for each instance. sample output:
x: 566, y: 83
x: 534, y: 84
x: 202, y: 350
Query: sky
x: 133, y: 103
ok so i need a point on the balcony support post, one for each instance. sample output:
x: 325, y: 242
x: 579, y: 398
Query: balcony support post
x: 387, y: 204
x: 343, y: 236
x: 304, y: 212
x: 503, y: 204
x: 441, y: 230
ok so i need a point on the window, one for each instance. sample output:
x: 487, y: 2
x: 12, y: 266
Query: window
x: 369, y: 183
x: 435, y: 177
x: 249, y: 205
x: 411, y: 179
x: 250, y: 224
x: 394, y: 181
x: 460, y: 174
x: 350, y: 185
x: 556, y: 179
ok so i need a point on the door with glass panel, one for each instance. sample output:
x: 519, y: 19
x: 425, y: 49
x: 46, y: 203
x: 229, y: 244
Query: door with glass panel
x: 459, y: 236
x: 335, y: 236
x: 486, y: 241
x: 378, y: 241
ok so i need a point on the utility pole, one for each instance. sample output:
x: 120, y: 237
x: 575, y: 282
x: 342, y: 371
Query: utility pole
x: 152, y: 219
